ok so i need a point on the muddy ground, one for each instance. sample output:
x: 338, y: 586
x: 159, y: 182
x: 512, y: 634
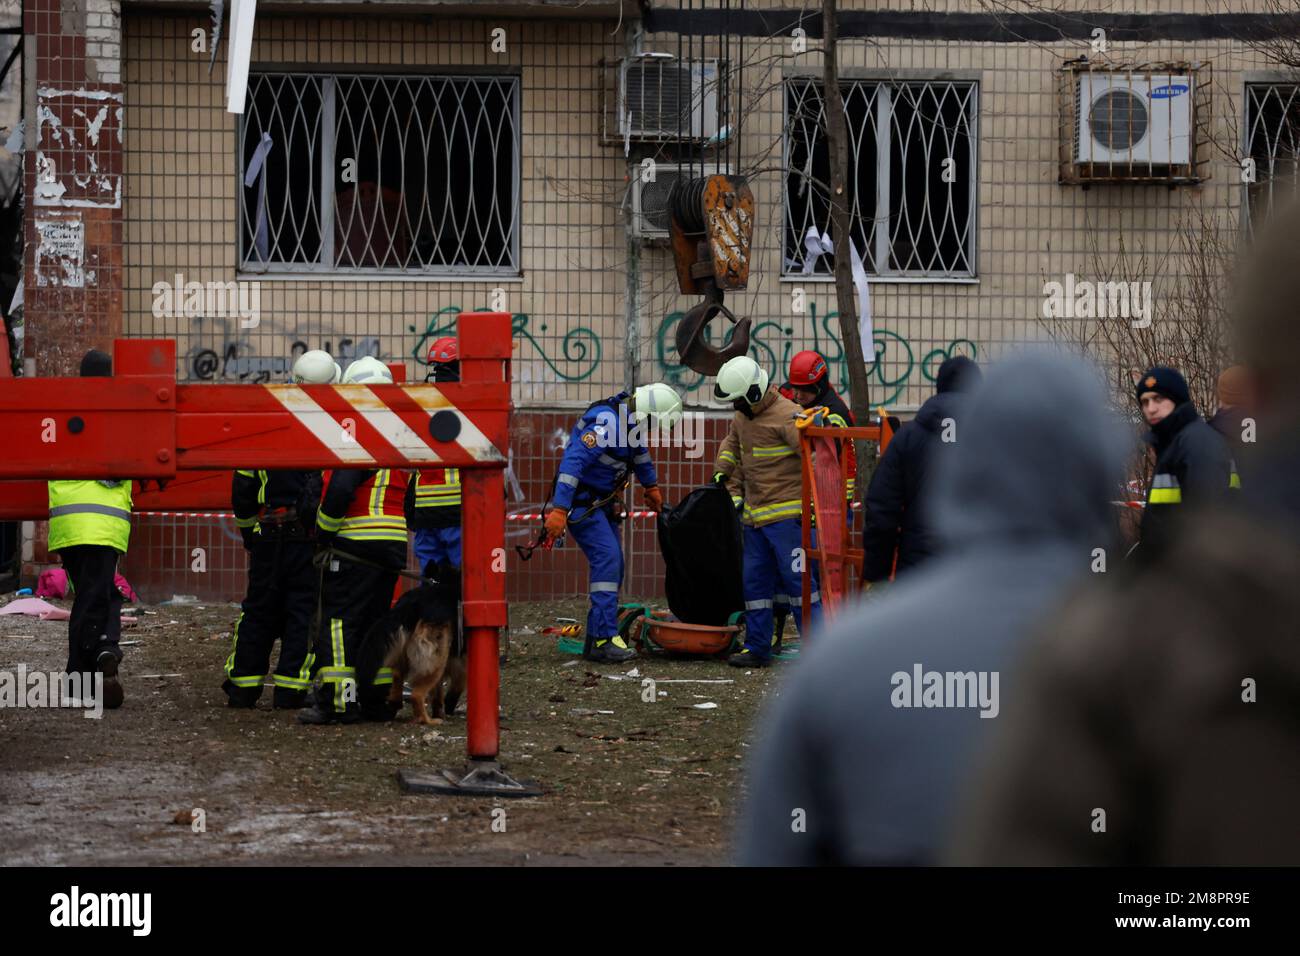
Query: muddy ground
x: 649, y: 784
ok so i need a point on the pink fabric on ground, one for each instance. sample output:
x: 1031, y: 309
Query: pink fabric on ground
x: 35, y: 607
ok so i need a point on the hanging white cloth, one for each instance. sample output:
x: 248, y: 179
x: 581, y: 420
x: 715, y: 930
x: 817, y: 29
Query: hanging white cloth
x: 254, y: 174
x: 818, y: 244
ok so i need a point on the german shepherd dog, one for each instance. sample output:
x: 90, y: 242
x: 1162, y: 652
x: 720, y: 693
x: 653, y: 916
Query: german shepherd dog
x: 420, y: 640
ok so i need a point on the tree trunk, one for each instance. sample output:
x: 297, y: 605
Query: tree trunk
x: 837, y: 142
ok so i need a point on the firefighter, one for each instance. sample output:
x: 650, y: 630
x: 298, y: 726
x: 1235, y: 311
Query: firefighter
x: 759, y: 462
x: 433, y: 495
x: 1193, y: 464
x: 90, y: 526
x: 361, y: 539
x: 809, y: 386
x: 607, y: 441
x: 275, y: 512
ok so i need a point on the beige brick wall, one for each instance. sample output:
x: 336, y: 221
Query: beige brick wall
x: 181, y: 205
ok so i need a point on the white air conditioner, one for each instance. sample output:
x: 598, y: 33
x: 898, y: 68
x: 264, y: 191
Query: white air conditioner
x: 663, y: 98
x: 1137, y: 120
x: 650, y: 216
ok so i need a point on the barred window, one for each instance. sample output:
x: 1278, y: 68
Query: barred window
x: 1272, y: 134
x: 912, y: 176
x: 380, y: 174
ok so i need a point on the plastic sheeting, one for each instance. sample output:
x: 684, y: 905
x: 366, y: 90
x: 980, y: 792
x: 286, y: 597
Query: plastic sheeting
x: 700, y: 543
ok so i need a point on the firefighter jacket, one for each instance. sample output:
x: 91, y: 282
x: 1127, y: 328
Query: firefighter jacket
x: 760, y: 460
x: 363, y: 505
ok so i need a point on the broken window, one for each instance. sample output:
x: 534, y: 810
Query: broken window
x: 1272, y: 133
x: 380, y: 174
x: 912, y: 176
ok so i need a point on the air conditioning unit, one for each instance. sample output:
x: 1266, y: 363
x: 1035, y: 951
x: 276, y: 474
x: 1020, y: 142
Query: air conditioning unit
x: 663, y: 98
x: 1136, y: 121
x: 650, y: 217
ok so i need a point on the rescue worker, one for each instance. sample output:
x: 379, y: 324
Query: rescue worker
x: 898, y: 526
x: 759, y: 462
x: 605, y: 447
x: 1193, y: 464
x: 809, y: 386
x: 433, y: 495
x: 90, y: 526
x: 275, y: 512
x: 361, y: 517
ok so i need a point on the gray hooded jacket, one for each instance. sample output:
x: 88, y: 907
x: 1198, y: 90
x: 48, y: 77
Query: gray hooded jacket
x: 856, y: 763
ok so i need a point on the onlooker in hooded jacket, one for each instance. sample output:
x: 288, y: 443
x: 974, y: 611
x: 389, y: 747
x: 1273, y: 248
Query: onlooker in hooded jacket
x: 1235, y: 406
x: 898, y: 517
x: 1193, y: 466
x: 858, y: 750
x: 1171, y: 702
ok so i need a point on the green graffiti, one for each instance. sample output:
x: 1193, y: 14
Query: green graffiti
x: 580, y: 345
x: 773, y: 345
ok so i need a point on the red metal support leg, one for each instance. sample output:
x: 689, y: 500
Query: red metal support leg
x: 484, y: 603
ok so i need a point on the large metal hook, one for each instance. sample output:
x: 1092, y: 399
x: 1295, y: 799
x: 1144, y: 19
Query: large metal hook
x: 696, y: 352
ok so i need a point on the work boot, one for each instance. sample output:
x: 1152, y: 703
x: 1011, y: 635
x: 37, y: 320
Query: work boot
x: 747, y: 658
x: 317, y: 715
x: 107, y: 665
x: 611, y: 650
x: 241, y: 698
x: 287, y: 699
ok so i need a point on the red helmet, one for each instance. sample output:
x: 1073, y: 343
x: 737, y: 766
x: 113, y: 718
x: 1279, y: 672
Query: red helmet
x: 444, y: 350
x: 807, y: 368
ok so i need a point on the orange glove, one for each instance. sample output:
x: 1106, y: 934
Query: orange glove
x: 556, y: 520
x: 654, y: 498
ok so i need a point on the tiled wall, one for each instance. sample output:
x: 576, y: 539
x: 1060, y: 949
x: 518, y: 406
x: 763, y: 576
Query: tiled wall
x: 572, y: 336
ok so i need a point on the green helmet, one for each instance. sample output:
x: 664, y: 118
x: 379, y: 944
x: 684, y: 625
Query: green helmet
x: 656, y: 401
x: 741, y: 377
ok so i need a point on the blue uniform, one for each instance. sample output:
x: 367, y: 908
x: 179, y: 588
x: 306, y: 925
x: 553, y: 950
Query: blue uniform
x: 603, y: 445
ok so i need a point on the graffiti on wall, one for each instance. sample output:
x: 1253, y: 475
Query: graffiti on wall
x: 773, y: 344
x: 576, y: 360
x: 227, y: 353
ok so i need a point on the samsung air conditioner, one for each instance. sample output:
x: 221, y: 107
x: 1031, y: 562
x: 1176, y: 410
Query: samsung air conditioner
x: 1136, y: 121
x: 650, y: 217
x: 663, y: 98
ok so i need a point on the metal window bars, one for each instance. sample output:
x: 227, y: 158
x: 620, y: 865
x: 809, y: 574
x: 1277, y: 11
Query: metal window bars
x: 1271, y: 141
x: 380, y: 174
x: 913, y: 176
x: 1138, y: 123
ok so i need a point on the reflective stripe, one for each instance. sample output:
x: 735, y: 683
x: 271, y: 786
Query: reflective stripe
x: 773, y: 451
x: 88, y: 509
x: 1164, y: 481
x: 326, y: 523
x: 1166, y: 496
x: 246, y: 474
x: 569, y: 480
x: 757, y: 605
x: 604, y: 586
x: 293, y: 683
x: 245, y: 522
x: 1235, y: 480
x: 641, y: 459
x: 727, y: 456
x: 815, y: 597
x: 610, y: 461
x: 383, y: 676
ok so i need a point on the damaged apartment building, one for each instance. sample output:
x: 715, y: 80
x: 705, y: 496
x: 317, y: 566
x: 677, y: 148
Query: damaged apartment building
x: 396, y: 163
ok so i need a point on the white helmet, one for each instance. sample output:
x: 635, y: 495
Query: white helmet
x: 315, y: 368
x: 741, y: 377
x: 657, y: 401
x: 368, y: 370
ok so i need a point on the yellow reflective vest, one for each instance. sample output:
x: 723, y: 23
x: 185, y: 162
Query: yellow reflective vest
x: 90, y: 512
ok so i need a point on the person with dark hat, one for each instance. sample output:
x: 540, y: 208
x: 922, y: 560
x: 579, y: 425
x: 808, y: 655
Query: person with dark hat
x: 1193, y: 465
x: 90, y: 526
x: 898, y: 533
